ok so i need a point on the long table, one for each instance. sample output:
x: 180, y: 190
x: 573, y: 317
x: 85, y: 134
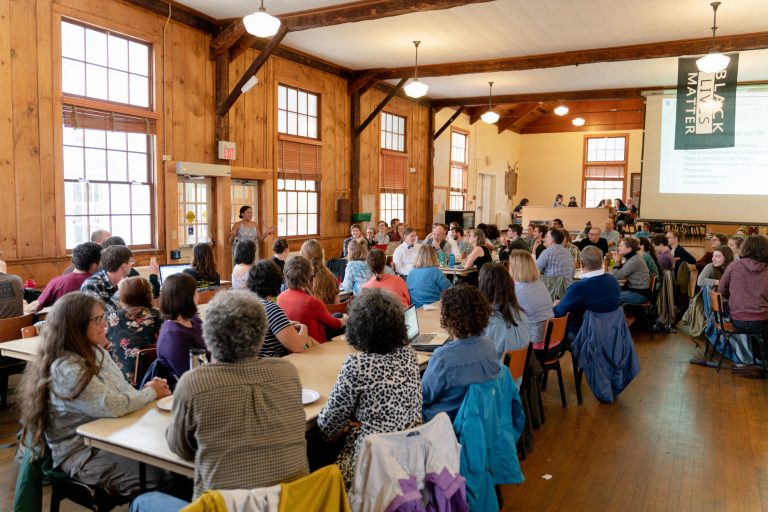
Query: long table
x: 141, y: 435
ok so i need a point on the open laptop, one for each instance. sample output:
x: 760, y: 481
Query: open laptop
x: 422, y: 341
x: 168, y: 270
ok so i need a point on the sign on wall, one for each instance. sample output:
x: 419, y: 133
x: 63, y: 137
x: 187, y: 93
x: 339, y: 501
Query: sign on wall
x: 706, y: 105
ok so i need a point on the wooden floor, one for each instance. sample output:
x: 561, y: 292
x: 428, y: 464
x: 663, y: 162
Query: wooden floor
x: 681, y: 437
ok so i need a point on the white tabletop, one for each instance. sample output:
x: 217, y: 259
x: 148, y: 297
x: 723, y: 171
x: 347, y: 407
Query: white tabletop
x: 457, y: 271
x: 24, y: 349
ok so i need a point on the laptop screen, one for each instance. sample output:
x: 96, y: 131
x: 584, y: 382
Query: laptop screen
x: 411, y: 322
x: 168, y: 270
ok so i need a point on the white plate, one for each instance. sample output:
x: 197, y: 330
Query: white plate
x: 165, y: 404
x: 309, y: 396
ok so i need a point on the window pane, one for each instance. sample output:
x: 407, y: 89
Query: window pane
x: 282, y: 225
x: 98, y: 198
x: 118, y: 86
x: 137, y: 142
x: 312, y: 224
x: 312, y: 128
x: 75, y: 198
x: 116, y: 140
x: 292, y: 123
x: 302, y: 128
x: 96, y: 82
x: 77, y: 230
x: 292, y: 99
x: 302, y: 103
x: 282, y: 121
x: 142, y: 229
x: 118, y: 53
x: 94, y: 138
x: 137, y: 167
x: 140, y: 199
x: 282, y: 203
x: 282, y: 97
x: 72, y: 41
x: 73, y: 137
x: 73, y: 163
x: 95, y: 164
x: 292, y: 203
x: 96, y: 47
x: 121, y: 226
x: 293, y: 225
x: 139, y: 91
x: 312, y: 105
x: 72, y: 77
x: 139, y: 58
x: 312, y: 203
x: 121, y: 199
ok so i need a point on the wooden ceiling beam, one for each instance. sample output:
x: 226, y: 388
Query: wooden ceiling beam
x: 531, y: 116
x: 178, y: 13
x: 474, y: 113
x: 739, y: 42
x: 251, y: 71
x: 380, y: 107
x: 331, y: 15
x: 292, y: 55
x: 448, y: 123
x: 508, y: 119
x: 600, y: 94
x: 362, y: 82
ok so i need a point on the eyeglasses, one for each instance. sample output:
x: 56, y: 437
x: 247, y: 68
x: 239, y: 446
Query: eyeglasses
x: 98, y: 319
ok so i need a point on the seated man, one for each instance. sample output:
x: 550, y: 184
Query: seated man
x: 611, y: 235
x: 280, y: 253
x: 115, y: 265
x: 457, y: 233
x: 643, y: 230
x: 439, y: 240
x: 240, y: 418
x: 514, y: 241
x: 595, y: 291
x: 557, y: 224
x: 85, y: 258
x: 556, y: 260
x: 11, y: 293
x: 679, y: 254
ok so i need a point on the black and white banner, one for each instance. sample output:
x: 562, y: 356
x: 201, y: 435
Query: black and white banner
x: 706, y: 105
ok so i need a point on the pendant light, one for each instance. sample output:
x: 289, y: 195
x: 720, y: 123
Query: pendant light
x: 713, y: 61
x: 578, y: 121
x: 561, y: 110
x: 261, y: 23
x: 416, y: 89
x: 490, y: 117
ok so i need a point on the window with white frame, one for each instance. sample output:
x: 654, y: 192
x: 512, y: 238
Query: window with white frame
x: 393, y: 174
x: 194, y: 207
x: 458, y: 171
x: 297, y: 112
x: 297, y: 207
x: 107, y: 155
x: 605, y: 168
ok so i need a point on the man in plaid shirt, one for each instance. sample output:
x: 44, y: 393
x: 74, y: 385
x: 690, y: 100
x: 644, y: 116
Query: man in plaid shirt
x: 555, y: 260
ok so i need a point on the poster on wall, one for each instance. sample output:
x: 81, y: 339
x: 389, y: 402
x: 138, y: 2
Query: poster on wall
x: 706, y: 105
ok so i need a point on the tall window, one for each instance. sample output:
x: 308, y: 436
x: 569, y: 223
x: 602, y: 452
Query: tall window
x: 394, y: 167
x: 459, y: 168
x: 194, y: 205
x: 108, y: 149
x: 244, y: 193
x: 298, y: 162
x: 605, y: 168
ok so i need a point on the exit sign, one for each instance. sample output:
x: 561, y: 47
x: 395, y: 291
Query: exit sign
x: 227, y: 150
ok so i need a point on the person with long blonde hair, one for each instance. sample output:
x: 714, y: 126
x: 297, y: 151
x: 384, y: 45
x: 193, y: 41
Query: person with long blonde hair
x: 324, y: 285
x: 531, y: 293
x: 72, y: 381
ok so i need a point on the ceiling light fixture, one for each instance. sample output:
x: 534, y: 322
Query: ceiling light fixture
x: 261, y: 23
x: 490, y: 117
x: 416, y: 89
x: 561, y: 110
x: 713, y: 61
x: 578, y: 121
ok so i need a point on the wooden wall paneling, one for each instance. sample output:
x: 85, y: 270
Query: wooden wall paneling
x: 116, y: 15
x: 26, y: 128
x: 222, y: 249
x: 57, y: 175
x: 171, y: 196
x: 195, y: 59
x: 178, y: 73
x: 46, y: 123
x: 8, y: 231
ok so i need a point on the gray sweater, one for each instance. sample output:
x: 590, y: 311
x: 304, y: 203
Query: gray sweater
x: 107, y: 395
x: 706, y: 276
x: 635, y: 271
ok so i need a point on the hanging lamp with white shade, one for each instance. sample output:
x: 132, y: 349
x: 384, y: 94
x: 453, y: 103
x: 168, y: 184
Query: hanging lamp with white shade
x: 561, y: 110
x: 714, y: 61
x: 414, y: 88
x: 490, y: 117
x: 261, y: 23
x: 578, y: 121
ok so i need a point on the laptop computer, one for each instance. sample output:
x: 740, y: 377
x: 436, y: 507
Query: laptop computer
x: 422, y: 341
x: 168, y: 270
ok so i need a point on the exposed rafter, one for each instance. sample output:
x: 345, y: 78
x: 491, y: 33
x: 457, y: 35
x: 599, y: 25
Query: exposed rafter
x: 380, y: 107
x: 740, y: 42
x: 335, y: 15
x: 179, y: 13
x: 448, y: 123
x: 510, y: 116
x: 292, y: 55
x: 600, y: 94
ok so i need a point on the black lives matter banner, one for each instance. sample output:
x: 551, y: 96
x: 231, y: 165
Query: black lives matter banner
x: 706, y: 106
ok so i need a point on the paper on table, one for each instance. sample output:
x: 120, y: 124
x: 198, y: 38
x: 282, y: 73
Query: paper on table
x: 430, y: 307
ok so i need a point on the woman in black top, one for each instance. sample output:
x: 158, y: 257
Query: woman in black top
x: 480, y: 254
x: 204, y: 267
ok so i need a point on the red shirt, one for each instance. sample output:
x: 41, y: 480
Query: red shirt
x: 60, y: 286
x: 301, y: 307
x: 393, y: 284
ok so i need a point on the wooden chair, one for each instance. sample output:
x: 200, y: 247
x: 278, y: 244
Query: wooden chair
x: 206, y: 296
x: 518, y: 362
x: 144, y: 358
x: 29, y: 332
x: 726, y: 329
x: 646, y: 308
x: 10, y: 329
x: 556, y: 333
x: 337, y: 308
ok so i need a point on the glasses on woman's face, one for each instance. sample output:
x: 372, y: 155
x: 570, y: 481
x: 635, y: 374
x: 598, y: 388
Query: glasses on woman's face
x: 98, y: 319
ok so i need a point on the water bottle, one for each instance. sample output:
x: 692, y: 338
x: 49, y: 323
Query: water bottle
x: 451, y: 260
x: 441, y: 258
x: 197, y: 358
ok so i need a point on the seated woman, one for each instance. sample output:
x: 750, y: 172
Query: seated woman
x: 649, y: 257
x: 324, y: 284
x: 245, y: 254
x: 532, y: 294
x: 508, y: 324
x: 391, y: 283
x: 398, y: 234
x: 361, y: 397
x: 480, y: 254
x: 735, y: 242
x: 73, y: 381
x: 468, y: 358
x: 710, y: 275
x: 637, y: 288
x: 356, y: 235
x: 204, y: 267
x: 357, y: 272
x: 282, y: 338
x: 425, y: 281
x: 134, y: 326
x: 493, y: 237
x: 182, y: 329
x: 302, y: 307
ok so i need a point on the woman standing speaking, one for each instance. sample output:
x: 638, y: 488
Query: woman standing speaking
x: 247, y: 229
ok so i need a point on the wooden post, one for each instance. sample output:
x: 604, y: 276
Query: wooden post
x: 430, y: 169
x: 354, y: 164
x: 221, y: 129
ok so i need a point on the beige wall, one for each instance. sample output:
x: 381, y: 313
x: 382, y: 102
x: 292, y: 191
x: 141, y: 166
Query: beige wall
x: 551, y: 163
x: 489, y: 153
